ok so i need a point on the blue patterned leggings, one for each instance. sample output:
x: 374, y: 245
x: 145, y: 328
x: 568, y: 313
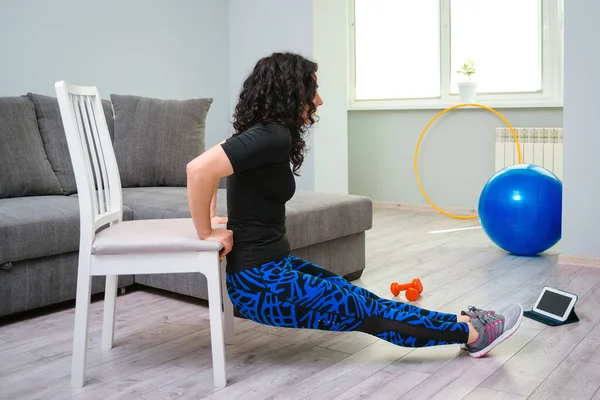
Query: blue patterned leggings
x: 295, y: 293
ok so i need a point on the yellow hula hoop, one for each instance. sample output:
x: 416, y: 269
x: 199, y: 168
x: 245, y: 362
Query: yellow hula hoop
x: 423, y: 134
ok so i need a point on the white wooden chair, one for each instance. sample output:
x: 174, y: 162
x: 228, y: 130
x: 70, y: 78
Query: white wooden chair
x: 128, y: 247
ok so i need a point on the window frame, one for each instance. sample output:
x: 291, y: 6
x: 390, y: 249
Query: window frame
x: 551, y: 94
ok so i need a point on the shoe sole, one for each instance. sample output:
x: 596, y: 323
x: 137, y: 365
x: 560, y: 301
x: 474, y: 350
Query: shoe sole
x: 500, y: 339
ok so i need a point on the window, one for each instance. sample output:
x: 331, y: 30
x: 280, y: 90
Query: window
x: 405, y: 53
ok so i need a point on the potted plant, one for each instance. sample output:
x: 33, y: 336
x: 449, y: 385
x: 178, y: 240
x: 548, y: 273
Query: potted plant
x: 467, y: 88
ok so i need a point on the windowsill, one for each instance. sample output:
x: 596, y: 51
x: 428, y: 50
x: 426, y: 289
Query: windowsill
x: 437, y: 104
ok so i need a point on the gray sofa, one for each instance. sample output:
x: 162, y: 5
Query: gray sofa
x: 153, y: 139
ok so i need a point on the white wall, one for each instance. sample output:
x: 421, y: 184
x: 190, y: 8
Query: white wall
x: 581, y: 170
x: 183, y: 49
x: 456, y: 156
x: 151, y: 48
x: 260, y: 27
x: 331, y: 133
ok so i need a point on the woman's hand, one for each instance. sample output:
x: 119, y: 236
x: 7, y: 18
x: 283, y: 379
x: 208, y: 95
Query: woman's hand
x: 225, y: 237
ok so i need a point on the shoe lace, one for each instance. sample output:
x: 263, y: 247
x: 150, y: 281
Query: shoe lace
x: 489, y: 321
x: 477, y: 311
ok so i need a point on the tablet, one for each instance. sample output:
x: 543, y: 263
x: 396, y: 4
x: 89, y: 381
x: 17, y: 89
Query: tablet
x: 555, y: 304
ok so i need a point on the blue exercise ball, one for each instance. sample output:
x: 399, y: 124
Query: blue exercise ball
x: 520, y: 209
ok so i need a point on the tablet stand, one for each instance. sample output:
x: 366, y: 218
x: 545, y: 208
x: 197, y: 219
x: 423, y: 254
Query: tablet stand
x: 551, y: 321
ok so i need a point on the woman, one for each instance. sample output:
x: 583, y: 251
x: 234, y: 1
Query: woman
x: 277, y: 103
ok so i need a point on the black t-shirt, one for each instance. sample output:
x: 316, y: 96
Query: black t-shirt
x: 261, y: 184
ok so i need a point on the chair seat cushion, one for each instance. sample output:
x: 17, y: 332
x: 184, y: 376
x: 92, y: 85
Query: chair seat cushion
x: 151, y: 236
x: 311, y: 217
x: 38, y: 226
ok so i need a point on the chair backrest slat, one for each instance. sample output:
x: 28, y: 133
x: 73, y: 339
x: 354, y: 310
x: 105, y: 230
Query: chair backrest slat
x: 92, y: 156
x: 102, y: 182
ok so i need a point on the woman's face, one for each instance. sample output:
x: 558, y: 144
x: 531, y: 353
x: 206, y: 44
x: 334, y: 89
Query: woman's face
x: 317, y: 102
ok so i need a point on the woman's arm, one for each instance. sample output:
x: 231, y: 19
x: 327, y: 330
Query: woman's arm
x: 214, y: 218
x: 203, y: 173
x: 213, y: 201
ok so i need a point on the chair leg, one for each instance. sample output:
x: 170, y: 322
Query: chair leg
x: 110, y: 303
x: 80, y: 333
x: 227, y: 310
x: 216, y: 325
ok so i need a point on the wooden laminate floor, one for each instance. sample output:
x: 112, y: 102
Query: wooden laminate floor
x: 162, y: 348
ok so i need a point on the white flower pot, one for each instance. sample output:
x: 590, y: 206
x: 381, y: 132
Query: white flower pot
x: 467, y: 91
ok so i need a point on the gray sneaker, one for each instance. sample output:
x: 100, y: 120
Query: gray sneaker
x: 494, y: 329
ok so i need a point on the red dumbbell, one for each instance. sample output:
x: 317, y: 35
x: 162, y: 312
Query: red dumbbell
x: 413, y: 289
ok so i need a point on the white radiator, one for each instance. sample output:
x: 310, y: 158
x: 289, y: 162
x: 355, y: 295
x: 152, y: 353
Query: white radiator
x: 540, y: 146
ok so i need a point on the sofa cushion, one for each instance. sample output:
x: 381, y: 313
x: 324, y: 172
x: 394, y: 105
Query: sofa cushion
x: 318, y: 217
x: 54, y: 139
x: 164, y: 202
x: 311, y: 217
x: 24, y: 166
x: 40, y: 226
x: 155, y: 139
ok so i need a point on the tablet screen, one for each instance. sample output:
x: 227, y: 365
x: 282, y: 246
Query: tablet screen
x: 554, y: 303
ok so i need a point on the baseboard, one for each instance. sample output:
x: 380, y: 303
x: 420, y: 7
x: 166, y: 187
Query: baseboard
x: 578, y: 261
x: 424, y: 207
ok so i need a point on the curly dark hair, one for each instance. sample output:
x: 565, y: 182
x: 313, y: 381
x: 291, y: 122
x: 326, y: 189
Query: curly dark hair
x: 281, y: 89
